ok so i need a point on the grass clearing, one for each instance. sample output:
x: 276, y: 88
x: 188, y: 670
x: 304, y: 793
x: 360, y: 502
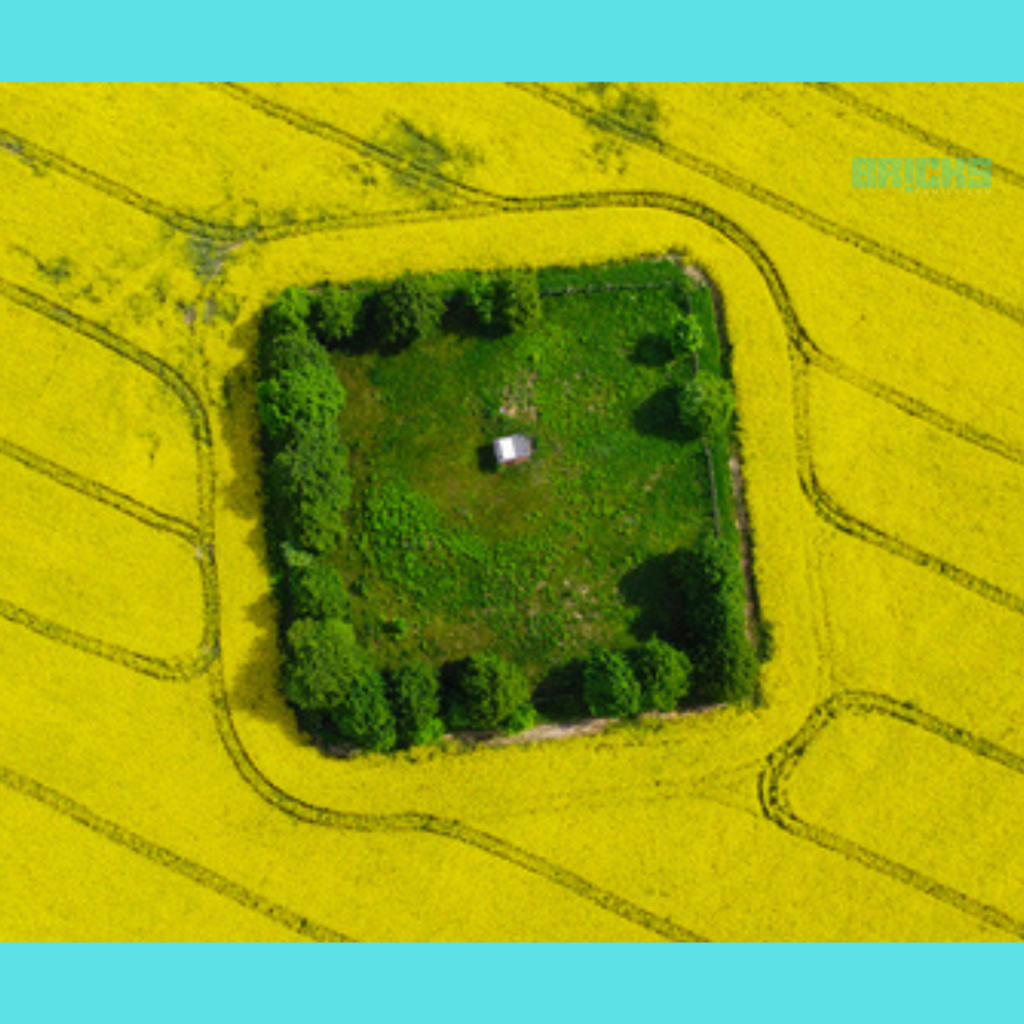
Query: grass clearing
x: 450, y: 555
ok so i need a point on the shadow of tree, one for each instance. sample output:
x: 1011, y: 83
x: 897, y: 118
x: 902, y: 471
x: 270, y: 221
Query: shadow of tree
x: 658, y: 415
x: 651, y: 588
x: 652, y: 350
x: 559, y: 695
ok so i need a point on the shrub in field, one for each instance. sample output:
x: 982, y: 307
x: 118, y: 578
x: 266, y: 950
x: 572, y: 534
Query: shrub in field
x: 516, y: 301
x: 319, y: 654
x: 289, y: 312
x: 408, y: 309
x: 524, y: 717
x: 415, y: 696
x: 305, y: 400
x: 334, y: 316
x: 489, y: 690
x: 663, y: 674
x: 362, y: 714
x: 706, y: 404
x: 289, y: 351
x: 610, y: 688
x: 308, y: 488
x: 714, y: 619
x: 316, y: 591
x: 687, y: 336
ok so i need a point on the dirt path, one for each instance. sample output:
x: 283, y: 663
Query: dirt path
x: 694, y: 273
x: 567, y: 730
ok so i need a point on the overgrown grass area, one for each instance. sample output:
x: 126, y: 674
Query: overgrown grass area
x: 450, y: 555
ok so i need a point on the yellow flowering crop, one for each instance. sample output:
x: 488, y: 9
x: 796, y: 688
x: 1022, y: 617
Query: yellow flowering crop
x: 154, y: 785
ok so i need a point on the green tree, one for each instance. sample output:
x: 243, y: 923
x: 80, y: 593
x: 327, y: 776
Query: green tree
x: 293, y: 400
x: 477, y: 299
x: 732, y: 667
x: 316, y: 591
x: 610, y: 688
x: 308, y: 489
x: 415, y: 695
x: 288, y: 313
x: 687, y: 336
x: 319, y: 654
x: 325, y: 671
x: 663, y: 674
x: 710, y: 579
x: 516, y: 299
x: 706, y: 404
x: 362, y: 714
x: 714, y: 624
x: 289, y: 351
x: 335, y: 315
x: 408, y: 310
x: 489, y: 690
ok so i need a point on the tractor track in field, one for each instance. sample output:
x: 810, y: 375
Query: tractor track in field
x: 209, y: 661
x: 885, y: 117
x: 164, y: 857
x: 197, y: 537
x: 448, y: 828
x: 804, y: 354
x: 227, y: 233
x: 124, y: 503
x: 777, y: 807
x: 489, y: 201
x: 774, y: 200
x: 807, y: 352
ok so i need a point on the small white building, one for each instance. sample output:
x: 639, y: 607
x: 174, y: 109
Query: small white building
x: 510, y: 450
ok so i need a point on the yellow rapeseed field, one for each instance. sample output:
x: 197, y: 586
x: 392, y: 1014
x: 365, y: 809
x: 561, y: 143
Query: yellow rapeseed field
x: 154, y: 785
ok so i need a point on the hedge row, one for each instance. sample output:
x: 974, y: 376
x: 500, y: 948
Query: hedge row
x: 651, y: 677
x: 410, y: 308
x: 307, y: 489
x: 710, y: 580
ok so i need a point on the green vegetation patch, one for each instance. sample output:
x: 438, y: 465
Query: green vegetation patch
x: 422, y: 583
x: 542, y: 560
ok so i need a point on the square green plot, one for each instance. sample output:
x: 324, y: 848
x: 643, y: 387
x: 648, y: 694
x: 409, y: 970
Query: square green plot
x: 451, y: 553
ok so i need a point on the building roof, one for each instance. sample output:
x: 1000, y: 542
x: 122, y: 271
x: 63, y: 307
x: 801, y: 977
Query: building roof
x: 512, y: 449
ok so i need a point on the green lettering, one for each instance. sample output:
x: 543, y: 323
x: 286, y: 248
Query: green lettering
x: 927, y: 165
x: 889, y: 172
x: 951, y: 172
x: 863, y: 172
x: 908, y: 174
x: 979, y: 172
